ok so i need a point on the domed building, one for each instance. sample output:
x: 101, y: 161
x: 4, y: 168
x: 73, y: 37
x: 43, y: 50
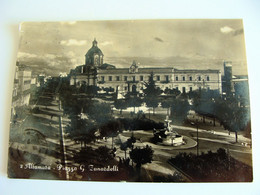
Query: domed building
x: 96, y: 73
x: 94, y: 56
x: 87, y: 73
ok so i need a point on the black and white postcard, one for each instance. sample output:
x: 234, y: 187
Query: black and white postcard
x: 131, y: 100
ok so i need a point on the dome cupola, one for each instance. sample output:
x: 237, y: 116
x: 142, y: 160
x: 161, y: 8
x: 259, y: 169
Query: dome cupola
x: 94, y: 56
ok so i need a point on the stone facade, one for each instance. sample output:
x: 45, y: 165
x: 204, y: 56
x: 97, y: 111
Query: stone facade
x: 183, y: 80
x: 228, y: 85
x: 22, y: 87
x: 132, y: 79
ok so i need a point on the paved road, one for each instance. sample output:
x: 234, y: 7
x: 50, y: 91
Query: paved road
x: 209, y: 140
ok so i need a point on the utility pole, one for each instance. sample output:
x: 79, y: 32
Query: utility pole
x: 228, y: 153
x: 197, y: 138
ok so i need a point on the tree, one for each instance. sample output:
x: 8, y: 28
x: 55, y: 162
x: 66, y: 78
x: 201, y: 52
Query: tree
x: 51, y: 85
x: 45, y: 101
x: 70, y: 102
x: 110, y: 129
x: 123, y: 146
x: 133, y: 101
x: 141, y: 156
x: 233, y: 117
x: 238, y: 121
x: 152, y: 102
x: 173, y: 92
x: 81, y: 130
x: 204, y: 94
x: 120, y: 104
x: 88, y: 156
x: 128, y: 144
x: 212, y: 167
x: 89, y: 90
x: 85, y: 138
x: 242, y: 93
x: 130, y: 141
x: 151, y: 93
x: 179, y: 109
x: 167, y: 104
x: 83, y: 87
x: 204, y: 103
x: 205, y: 108
x: 99, y: 112
x: 151, y: 89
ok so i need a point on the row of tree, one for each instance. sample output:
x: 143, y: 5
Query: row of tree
x: 216, y: 166
x: 228, y: 111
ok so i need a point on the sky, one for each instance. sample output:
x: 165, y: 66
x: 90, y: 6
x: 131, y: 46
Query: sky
x: 54, y: 47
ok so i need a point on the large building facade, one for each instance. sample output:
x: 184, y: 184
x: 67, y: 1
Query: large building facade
x: 22, y: 87
x: 132, y: 79
x: 227, y: 80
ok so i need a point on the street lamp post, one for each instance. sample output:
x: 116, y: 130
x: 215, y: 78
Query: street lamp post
x: 197, y: 126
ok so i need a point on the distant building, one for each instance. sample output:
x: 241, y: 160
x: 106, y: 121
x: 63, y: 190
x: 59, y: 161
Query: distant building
x: 228, y: 86
x: 132, y: 79
x: 42, y: 80
x: 33, y: 80
x: 241, y: 88
x: 22, y: 86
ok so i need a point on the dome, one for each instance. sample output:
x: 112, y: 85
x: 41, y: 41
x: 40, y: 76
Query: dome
x: 94, y: 55
x: 94, y: 50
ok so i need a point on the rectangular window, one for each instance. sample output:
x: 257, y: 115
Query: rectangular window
x: 207, y: 78
x: 158, y: 78
x: 183, y: 78
x: 167, y: 78
x: 190, y: 78
x: 110, y: 78
x: 125, y: 78
x: 183, y: 89
x: 27, y: 82
x: 141, y: 78
x: 102, y: 78
x: 117, y: 78
x: 177, y: 88
x: 199, y: 88
x: 199, y: 78
x: 134, y: 78
x: 176, y: 78
x: 190, y: 88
